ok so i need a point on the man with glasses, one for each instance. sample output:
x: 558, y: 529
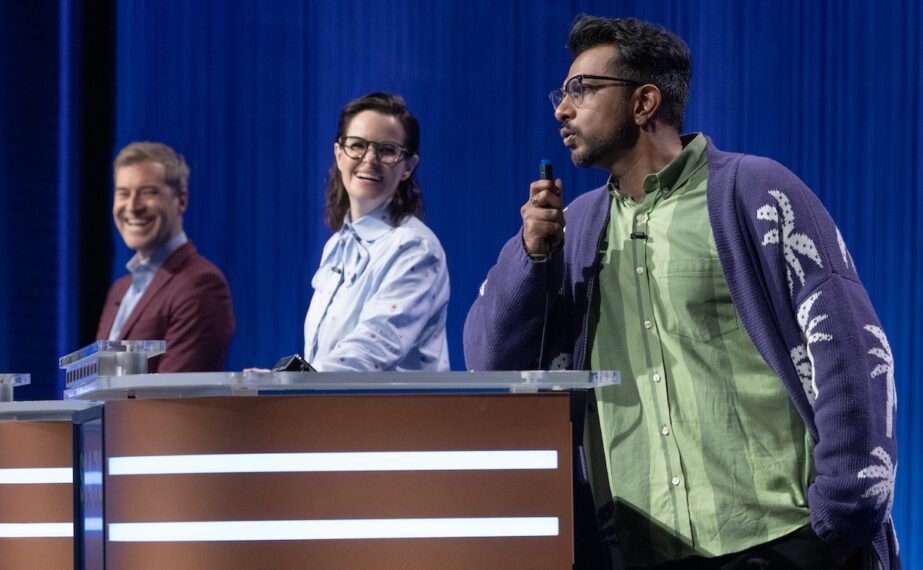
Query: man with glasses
x: 754, y: 423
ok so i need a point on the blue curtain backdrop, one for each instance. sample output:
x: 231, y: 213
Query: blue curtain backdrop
x: 249, y: 91
x: 37, y: 251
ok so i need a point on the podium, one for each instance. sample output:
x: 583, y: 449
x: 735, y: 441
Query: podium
x: 36, y: 490
x: 328, y: 470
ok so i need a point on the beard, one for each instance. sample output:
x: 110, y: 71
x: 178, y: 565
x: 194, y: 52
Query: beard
x: 604, y: 150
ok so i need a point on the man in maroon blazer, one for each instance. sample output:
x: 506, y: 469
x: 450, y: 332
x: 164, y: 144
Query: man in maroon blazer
x: 171, y: 292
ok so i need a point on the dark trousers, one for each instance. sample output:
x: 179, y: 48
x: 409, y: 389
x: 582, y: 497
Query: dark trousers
x: 799, y: 550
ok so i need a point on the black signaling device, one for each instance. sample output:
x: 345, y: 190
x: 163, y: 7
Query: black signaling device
x: 545, y: 170
x: 293, y: 363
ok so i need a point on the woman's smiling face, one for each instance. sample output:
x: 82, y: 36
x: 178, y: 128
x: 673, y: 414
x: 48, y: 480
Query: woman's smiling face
x: 370, y: 182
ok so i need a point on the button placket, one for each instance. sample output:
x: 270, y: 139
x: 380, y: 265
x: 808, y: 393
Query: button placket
x: 658, y: 388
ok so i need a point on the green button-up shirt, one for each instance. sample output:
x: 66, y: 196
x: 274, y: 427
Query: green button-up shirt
x: 705, y: 453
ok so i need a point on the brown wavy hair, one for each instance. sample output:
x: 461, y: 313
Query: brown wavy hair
x: 407, y: 200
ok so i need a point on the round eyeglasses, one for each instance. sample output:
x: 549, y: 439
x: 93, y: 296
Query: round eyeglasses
x: 576, y: 89
x: 388, y: 152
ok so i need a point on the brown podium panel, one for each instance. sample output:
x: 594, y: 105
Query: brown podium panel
x: 340, y: 481
x: 36, y: 507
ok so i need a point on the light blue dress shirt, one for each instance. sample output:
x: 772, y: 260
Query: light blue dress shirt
x: 380, y: 299
x: 142, y: 273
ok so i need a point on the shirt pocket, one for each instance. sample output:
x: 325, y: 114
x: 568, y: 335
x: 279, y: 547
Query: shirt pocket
x: 696, y: 299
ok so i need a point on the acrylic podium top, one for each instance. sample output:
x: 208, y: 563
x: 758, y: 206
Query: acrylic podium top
x: 179, y: 385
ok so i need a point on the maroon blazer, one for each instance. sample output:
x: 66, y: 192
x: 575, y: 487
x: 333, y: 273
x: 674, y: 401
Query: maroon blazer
x: 187, y: 304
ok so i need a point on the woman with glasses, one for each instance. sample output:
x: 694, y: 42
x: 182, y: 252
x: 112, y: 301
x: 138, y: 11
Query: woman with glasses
x: 382, y: 289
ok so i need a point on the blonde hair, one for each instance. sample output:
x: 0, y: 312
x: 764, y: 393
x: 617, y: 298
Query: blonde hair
x: 176, y: 171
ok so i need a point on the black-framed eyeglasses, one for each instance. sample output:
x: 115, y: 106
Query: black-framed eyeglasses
x: 388, y: 152
x: 576, y: 89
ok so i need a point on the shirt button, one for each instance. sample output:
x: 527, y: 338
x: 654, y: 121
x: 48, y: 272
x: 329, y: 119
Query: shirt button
x: 648, y: 324
x: 665, y: 430
x: 675, y: 481
x: 640, y: 218
x: 639, y: 270
x: 656, y: 377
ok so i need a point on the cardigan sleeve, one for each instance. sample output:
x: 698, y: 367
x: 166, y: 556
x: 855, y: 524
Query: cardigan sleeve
x: 504, y: 325
x: 853, y: 381
x: 839, y: 354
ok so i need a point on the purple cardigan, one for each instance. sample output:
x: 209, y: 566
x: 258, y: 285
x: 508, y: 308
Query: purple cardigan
x: 798, y: 295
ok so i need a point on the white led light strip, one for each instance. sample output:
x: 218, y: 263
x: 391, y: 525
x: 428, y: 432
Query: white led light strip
x: 36, y: 476
x: 36, y: 530
x: 213, y: 531
x: 345, y: 461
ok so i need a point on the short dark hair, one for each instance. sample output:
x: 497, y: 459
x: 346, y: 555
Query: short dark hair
x: 646, y: 52
x: 407, y: 200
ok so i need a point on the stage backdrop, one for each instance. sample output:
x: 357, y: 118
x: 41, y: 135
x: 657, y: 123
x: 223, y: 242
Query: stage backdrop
x: 249, y: 91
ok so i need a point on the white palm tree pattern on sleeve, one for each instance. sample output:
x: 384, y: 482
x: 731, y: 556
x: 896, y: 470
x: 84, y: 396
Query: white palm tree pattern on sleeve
x: 886, y: 471
x: 562, y: 361
x: 886, y: 367
x: 847, y: 257
x: 801, y: 354
x: 805, y: 368
x: 793, y: 243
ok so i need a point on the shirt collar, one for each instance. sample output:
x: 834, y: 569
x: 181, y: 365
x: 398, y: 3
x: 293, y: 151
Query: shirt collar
x: 371, y: 226
x: 674, y: 175
x: 137, y: 265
